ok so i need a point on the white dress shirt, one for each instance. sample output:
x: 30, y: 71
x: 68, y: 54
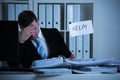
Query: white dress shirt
x: 43, y: 42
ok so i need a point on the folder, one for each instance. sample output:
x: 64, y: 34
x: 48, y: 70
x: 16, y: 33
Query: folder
x: 53, y: 71
x: 42, y: 15
x: 57, y: 63
x: 97, y: 69
x: 79, y: 40
x: 18, y: 9
x: 79, y: 45
x: 76, y: 43
x: 72, y: 44
x: 86, y: 44
x: 49, y: 17
x: 11, y: 11
x: 57, y: 18
x: 24, y: 7
x: 69, y: 15
x: 69, y: 21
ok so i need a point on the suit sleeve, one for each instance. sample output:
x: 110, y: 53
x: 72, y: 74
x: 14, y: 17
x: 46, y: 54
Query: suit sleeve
x: 23, y: 56
x: 63, y: 48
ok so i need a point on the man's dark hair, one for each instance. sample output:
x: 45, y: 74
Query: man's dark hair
x: 25, y: 18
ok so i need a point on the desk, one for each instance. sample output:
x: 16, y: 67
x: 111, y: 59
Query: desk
x: 33, y: 76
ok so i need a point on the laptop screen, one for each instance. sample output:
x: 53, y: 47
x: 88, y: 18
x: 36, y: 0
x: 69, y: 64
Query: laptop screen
x: 9, y: 42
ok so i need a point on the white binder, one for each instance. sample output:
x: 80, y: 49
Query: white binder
x: 86, y: 39
x: 69, y: 15
x: 79, y: 49
x: 57, y: 14
x: 69, y: 21
x: 72, y: 45
x: 49, y: 13
x: 76, y: 43
x: 15, y: 9
x: 79, y: 41
x: 18, y: 10
x: 24, y: 7
x: 42, y: 15
x: 11, y: 12
x: 86, y: 44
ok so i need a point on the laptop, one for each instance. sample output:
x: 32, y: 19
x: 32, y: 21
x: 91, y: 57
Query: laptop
x: 9, y: 51
x: 9, y: 41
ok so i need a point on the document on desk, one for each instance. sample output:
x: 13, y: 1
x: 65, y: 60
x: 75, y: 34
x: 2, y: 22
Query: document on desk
x: 96, y: 69
x: 49, y: 63
x: 53, y: 66
x: 87, y: 62
x: 59, y: 62
x: 60, y: 65
x: 53, y: 71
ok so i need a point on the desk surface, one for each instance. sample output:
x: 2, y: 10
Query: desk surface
x: 33, y: 76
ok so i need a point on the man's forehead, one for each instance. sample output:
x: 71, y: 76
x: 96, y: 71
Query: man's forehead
x: 33, y: 23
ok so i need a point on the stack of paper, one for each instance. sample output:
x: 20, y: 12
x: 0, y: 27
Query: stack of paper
x: 98, y: 69
x: 60, y: 65
x: 47, y: 63
x: 53, y: 71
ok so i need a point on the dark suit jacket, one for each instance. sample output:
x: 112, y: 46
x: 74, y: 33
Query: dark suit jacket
x: 55, y: 42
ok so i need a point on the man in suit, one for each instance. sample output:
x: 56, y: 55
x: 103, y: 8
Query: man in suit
x: 51, y: 40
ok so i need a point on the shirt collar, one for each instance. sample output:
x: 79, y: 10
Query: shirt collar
x: 40, y: 35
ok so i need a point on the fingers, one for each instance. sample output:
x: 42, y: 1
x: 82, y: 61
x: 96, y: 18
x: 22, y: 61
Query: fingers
x: 72, y: 56
x: 29, y: 30
x: 26, y: 33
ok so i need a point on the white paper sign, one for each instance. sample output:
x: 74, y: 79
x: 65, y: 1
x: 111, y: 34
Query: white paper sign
x: 80, y: 28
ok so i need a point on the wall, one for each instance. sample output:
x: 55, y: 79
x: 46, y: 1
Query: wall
x: 106, y: 39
